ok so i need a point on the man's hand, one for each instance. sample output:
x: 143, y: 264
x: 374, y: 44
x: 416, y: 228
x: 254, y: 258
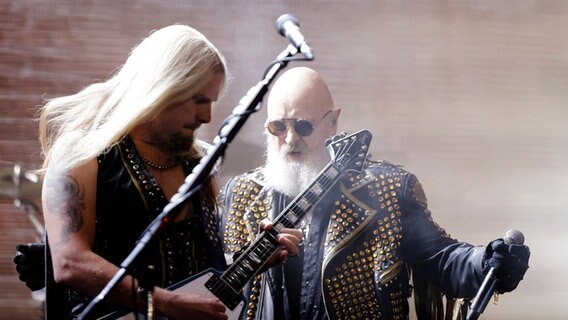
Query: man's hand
x: 289, y: 240
x: 30, y: 264
x: 510, y: 261
x: 192, y: 306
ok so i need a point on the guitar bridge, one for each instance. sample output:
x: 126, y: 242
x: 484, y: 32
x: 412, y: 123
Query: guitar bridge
x: 225, y: 293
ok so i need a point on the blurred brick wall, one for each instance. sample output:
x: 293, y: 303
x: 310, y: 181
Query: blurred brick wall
x: 469, y: 95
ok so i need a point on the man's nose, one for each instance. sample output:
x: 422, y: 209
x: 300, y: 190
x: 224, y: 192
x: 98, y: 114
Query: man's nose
x: 291, y: 136
x: 204, y: 114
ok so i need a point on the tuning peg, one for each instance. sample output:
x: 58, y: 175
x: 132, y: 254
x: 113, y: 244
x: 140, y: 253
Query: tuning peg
x: 335, y: 138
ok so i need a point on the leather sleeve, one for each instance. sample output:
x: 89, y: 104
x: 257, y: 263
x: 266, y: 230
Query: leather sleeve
x: 456, y: 267
x: 229, y: 225
x: 238, y: 228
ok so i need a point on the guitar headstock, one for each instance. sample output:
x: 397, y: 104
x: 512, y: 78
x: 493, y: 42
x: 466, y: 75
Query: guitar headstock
x: 348, y: 152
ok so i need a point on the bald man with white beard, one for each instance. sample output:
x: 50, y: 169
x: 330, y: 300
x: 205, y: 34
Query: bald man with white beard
x: 362, y: 239
x: 293, y: 160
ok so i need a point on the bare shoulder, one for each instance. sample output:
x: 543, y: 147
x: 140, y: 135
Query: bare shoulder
x: 81, y: 177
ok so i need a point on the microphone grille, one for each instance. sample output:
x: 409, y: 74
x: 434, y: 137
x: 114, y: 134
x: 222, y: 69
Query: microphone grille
x: 282, y: 19
x: 514, y: 237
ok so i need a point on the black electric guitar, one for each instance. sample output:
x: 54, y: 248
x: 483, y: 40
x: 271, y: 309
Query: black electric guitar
x: 348, y: 153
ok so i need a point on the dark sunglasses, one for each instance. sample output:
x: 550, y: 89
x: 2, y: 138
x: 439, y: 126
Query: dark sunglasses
x: 302, y: 127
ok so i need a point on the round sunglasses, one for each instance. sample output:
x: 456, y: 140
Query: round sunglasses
x: 302, y: 127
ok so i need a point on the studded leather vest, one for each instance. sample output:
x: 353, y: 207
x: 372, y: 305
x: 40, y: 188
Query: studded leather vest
x: 379, y: 228
x: 128, y: 199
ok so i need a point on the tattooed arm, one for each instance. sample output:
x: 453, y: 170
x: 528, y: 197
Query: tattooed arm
x: 68, y: 200
x: 69, y: 205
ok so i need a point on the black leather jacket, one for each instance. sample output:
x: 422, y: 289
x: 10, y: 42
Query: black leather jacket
x: 379, y: 230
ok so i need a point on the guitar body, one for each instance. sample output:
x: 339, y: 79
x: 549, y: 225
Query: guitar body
x: 193, y: 285
x: 197, y: 285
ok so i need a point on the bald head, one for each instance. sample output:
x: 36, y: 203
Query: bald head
x: 299, y: 93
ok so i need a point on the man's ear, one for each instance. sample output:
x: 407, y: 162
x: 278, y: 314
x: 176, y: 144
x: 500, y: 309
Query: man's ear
x: 335, y: 116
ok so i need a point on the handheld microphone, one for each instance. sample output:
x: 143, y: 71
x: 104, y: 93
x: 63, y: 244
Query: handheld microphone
x: 289, y: 27
x: 490, y: 282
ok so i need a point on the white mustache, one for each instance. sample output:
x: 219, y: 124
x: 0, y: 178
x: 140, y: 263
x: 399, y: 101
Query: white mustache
x: 288, y: 149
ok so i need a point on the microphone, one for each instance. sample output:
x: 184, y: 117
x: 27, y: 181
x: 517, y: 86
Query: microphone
x: 490, y: 282
x: 289, y: 27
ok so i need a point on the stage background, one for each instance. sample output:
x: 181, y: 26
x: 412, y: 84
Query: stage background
x: 469, y: 95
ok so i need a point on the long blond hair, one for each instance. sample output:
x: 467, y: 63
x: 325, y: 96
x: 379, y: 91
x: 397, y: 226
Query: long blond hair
x: 167, y: 67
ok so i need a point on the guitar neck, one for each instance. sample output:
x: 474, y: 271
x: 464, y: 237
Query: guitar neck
x: 291, y: 216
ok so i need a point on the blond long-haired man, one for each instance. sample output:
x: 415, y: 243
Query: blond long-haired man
x: 115, y: 153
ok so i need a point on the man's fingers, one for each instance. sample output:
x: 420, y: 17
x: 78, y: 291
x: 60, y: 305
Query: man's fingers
x: 288, y: 238
x: 289, y: 243
x: 265, y: 224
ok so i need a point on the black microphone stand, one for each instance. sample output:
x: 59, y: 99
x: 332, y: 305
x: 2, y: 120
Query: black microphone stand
x: 483, y: 295
x: 249, y: 104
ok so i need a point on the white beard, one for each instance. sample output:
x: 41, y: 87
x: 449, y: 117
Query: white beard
x: 289, y: 177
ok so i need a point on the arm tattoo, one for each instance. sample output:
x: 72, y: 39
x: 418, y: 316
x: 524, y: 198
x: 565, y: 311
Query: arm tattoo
x: 66, y: 199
